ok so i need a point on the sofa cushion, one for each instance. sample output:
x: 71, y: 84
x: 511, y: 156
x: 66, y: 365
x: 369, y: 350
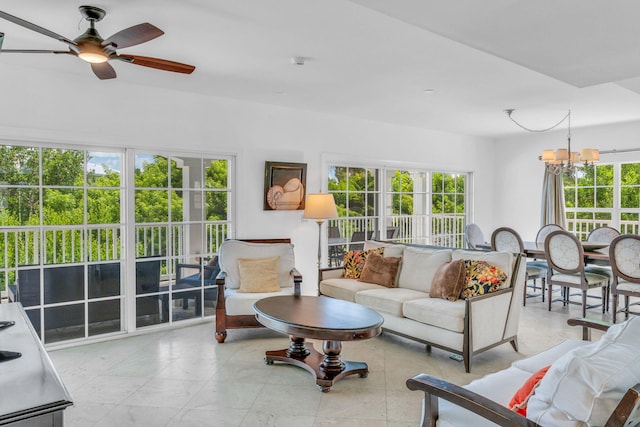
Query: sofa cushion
x: 584, y: 386
x: 418, y: 267
x: 436, y: 312
x: 448, y: 280
x: 258, y: 274
x: 380, y: 270
x: 345, y: 289
x: 482, y: 278
x: 389, y: 300
x: 550, y: 355
x: 354, y: 262
x: 390, y: 249
x: 231, y: 250
x: 242, y: 303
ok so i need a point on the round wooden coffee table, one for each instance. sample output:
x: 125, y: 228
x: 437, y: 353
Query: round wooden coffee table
x: 322, y: 318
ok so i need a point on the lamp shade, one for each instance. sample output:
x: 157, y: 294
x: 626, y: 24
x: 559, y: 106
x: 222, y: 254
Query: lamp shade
x: 548, y: 156
x: 320, y: 206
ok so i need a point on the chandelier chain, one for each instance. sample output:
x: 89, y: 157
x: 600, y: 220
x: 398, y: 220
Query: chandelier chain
x: 567, y: 116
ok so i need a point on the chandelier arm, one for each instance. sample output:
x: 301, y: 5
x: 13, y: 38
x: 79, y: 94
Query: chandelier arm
x: 509, y: 112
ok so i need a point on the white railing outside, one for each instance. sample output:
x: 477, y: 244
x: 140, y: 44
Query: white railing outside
x: 21, y: 246
x: 445, y: 230
x: 582, y: 228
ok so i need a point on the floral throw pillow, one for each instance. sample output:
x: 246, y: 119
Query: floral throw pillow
x: 354, y: 262
x: 482, y: 278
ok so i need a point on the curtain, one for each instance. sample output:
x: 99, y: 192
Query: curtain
x: 552, y: 206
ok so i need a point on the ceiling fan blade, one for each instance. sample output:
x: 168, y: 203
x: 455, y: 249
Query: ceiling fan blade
x: 133, y: 35
x: 36, y: 28
x: 38, y: 51
x: 103, y: 71
x: 160, y: 64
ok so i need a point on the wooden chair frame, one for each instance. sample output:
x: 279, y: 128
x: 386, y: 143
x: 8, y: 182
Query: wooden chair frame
x: 224, y: 321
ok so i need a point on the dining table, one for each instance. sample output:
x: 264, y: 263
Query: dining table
x: 596, y: 252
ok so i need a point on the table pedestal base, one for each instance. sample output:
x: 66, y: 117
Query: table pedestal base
x: 328, y: 367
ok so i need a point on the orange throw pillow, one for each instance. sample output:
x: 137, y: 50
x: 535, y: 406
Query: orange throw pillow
x: 520, y: 400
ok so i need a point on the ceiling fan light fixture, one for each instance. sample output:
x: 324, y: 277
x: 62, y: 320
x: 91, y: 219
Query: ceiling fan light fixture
x: 93, y: 57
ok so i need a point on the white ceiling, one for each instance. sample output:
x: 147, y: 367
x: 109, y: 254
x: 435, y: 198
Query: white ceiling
x: 373, y: 59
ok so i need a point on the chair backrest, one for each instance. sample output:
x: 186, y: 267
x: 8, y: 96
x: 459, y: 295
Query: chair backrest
x: 358, y: 238
x: 334, y: 232
x: 564, y: 252
x: 392, y: 232
x: 603, y: 235
x: 545, y: 230
x: 505, y: 239
x: 624, y: 254
x: 473, y: 235
x: 147, y: 276
x: 231, y: 250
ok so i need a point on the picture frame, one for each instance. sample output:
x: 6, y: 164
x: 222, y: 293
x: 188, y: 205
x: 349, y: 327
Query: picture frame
x: 285, y: 186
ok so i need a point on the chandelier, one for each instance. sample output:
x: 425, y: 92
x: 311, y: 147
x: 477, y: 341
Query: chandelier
x: 562, y: 160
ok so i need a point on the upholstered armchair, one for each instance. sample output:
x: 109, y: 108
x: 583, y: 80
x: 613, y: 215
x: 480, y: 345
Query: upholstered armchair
x: 249, y: 271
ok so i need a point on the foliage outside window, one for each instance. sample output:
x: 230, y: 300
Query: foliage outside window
x: 603, y: 195
x: 62, y: 215
x: 412, y: 206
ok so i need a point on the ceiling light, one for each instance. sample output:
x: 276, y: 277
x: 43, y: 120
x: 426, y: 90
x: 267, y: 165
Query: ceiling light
x: 93, y: 57
x: 297, y: 60
x: 562, y: 160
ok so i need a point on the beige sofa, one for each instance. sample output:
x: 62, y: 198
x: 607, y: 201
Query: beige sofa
x: 465, y: 327
x: 584, y: 386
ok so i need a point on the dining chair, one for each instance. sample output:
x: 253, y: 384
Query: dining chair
x: 602, y: 235
x: 358, y: 238
x: 473, y: 236
x: 336, y: 246
x: 507, y: 239
x: 565, y: 259
x: 542, y: 234
x: 624, y: 253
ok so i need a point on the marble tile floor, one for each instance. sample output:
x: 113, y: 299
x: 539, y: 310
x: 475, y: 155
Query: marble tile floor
x: 182, y: 377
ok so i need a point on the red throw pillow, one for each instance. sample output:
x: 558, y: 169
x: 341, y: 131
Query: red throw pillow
x: 520, y: 400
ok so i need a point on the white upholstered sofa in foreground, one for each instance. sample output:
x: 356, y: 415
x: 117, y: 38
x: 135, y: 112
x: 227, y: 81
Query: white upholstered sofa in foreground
x: 465, y: 326
x: 587, y: 384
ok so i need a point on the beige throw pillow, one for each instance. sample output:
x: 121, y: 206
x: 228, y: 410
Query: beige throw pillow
x: 448, y: 280
x: 258, y: 274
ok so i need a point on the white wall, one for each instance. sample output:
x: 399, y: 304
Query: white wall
x: 519, y: 177
x: 87, y: 111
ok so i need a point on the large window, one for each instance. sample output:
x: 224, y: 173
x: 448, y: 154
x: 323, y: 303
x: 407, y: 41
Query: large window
x: 412, y: 206
x: 181, y: 218
x: 64, y: 237
x: 603, y: 195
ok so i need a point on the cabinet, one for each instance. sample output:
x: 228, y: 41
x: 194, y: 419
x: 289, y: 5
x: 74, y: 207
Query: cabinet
x: 33, y: 394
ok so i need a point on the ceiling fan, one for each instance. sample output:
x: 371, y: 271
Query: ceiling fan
x: 91, y: 47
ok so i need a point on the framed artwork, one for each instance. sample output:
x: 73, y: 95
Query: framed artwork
x: 284, y: 186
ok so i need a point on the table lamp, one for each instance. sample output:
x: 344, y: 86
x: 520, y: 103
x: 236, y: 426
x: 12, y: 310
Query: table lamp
x: 320, y: 206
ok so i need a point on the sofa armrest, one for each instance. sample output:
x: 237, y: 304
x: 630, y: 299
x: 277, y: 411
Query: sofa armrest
x: 487, y: 316
x: 330, y: 273
x: 435, y: 388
